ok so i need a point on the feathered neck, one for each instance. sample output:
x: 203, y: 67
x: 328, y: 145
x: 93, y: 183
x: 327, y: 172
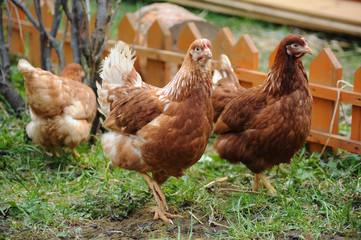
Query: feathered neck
x: 190, y: 76
x: 283, y: 75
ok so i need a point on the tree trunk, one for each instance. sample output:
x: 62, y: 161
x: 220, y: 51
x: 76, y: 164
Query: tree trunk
x: 6, y: 89
x: 11, y: 96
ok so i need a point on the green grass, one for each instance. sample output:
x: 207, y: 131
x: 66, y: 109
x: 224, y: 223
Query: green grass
x: 316, y: 197
x: 44, y: 197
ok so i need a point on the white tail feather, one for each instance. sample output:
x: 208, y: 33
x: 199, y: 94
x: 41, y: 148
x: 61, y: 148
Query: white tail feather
x: 114, y: 73
x: 216, y: 77
x: 225, y: 63
x: 118, y: 64
x: 225, y: 66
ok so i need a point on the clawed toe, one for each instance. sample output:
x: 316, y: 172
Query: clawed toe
x: 158, y: 213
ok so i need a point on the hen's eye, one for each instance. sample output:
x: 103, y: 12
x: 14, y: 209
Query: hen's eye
x: 197, y: 49
x: 294, y: 45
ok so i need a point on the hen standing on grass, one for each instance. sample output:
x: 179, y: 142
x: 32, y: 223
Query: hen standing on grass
x: 265, y: 125
x: 62, y: 108
x: 163, y: 131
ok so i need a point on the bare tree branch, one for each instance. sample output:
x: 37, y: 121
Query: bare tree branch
x: 58, y: 13
x: 64, y: 35
x: 27, y: 13
x: 87, y: 31
x: 75, y: 18
x: 102, y: 18
x: 38, y: 24
x: 9, y: 24
x: 44, y: 49
x: 4, y: 51
x: 68, y: 19
x: 66, y: 10
x: 95, y: 44
x: 108, y: 31
x: 88, y: 9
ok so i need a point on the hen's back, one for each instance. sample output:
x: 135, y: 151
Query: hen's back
x: 46, y: 93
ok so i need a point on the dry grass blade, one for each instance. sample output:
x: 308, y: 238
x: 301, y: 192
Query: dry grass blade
x: 218, y: 180
x: 238, y: 190
x: 195, y: 217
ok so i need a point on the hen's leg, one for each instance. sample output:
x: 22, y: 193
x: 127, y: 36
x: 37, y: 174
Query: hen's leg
x: 76, y: 154
x: 255, y: 186
x: 160, y: 209
x: 154, y: 186
x: 54, y: 152
x: 271, y: 190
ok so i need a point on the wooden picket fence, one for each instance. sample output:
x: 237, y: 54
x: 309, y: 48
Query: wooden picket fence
x: 325, y: 71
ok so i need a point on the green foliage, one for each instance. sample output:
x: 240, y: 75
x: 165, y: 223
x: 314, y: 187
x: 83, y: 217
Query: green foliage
x: 17, y: 80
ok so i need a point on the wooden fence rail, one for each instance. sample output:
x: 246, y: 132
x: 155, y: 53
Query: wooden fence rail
x: 155, y: 63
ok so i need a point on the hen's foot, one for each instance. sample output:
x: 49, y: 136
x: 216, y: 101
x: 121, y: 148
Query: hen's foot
x: 271, y: 190
x: 255, y: 186
x: 76, y: 154
x: 162, y: 214
x: 55, y: 153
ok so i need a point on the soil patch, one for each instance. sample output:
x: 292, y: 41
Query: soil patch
x: 297, y: 235
x: 139, y: 224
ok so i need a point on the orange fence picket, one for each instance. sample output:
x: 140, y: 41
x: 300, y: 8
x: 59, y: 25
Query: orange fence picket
x: 189, y: 33
x: 159, y: 37
x: 17, y: 34
x: 324, y: 70
x: 245, y: 53
x: 223, y: 43
x: 127, y: 29
x: 356, y: 110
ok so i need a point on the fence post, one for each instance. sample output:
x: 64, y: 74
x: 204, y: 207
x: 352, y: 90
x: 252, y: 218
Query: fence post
x: 127, y: 29
x: 17, y: 41
x: 68, y: 51
x: 223, y: 43
x: 189, y: 33
x: 186, y: 37
x: 325, y: 70
x: 158, y: 72
x: 272, y: 57
x: 128, y: 32
x: 356, y: 110
x: 34, y: 38
x: 245, y: 53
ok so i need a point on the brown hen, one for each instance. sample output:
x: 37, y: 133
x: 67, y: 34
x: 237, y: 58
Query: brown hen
x: 162, y: 131
x: 61, y: 107
x: 265, y: 125
x: 226, y: 87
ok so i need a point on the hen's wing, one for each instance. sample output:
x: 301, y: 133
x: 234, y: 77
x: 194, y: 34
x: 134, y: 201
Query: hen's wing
x: 240, y: 112
x: 134, y: 108
x: 83, y: 105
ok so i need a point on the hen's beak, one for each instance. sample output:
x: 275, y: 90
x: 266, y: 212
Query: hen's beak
x: 307, y: 49
x: 208, y: 53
